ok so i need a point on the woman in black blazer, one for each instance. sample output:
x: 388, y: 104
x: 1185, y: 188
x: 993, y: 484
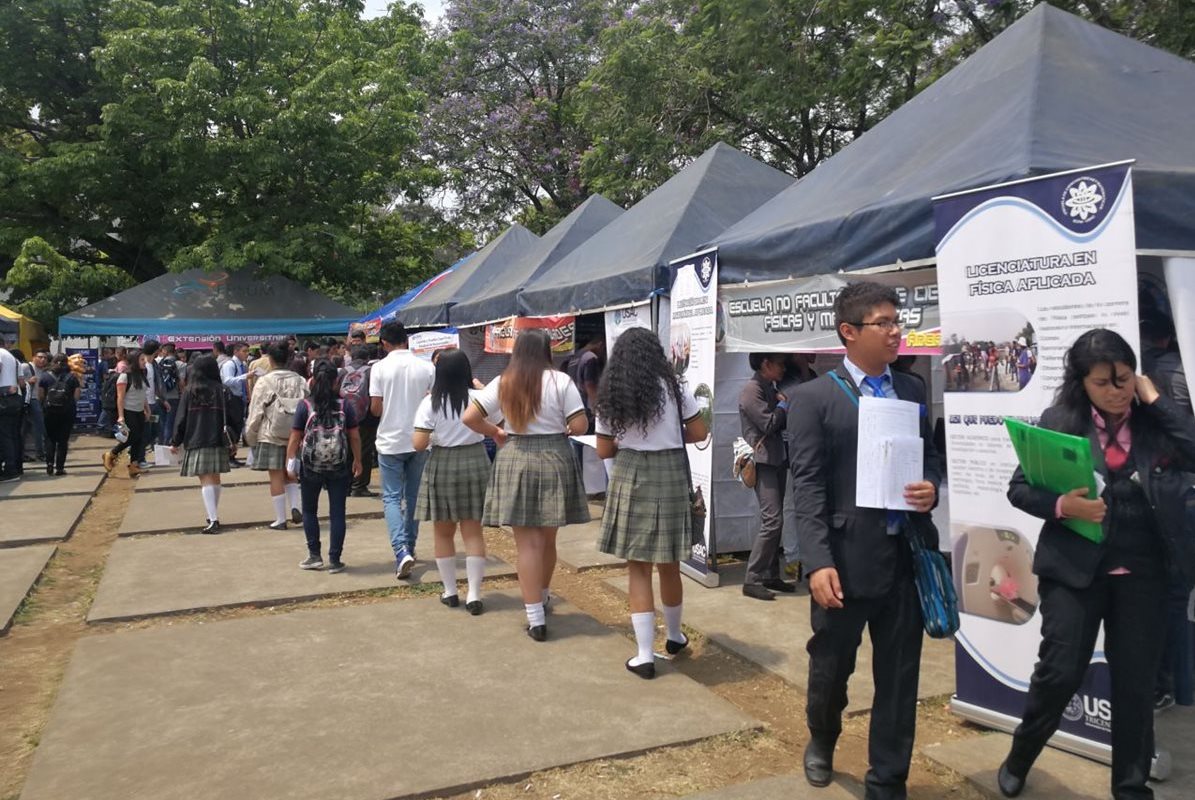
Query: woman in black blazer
x: 1140, y: 442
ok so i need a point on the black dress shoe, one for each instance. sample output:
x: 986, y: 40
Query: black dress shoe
x: 758, y: 591
x: 537, y: 632
x: 646, y: 671
x: 296, y: 516
x: 474, y: 607
x: 1010, y: 785
x: 672, y: 648
x: 213, y: 526
x: 452, y: 600
x: 777, y: 585
x: 819, y: 762
x: 278, y: 526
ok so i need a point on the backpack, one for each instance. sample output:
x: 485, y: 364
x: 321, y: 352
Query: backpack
x: 325, y: 444
x: 354, y: 390
x: 280, y: 415
x: 108, y: 391
x: 57, y: 396
x: 168, y: 372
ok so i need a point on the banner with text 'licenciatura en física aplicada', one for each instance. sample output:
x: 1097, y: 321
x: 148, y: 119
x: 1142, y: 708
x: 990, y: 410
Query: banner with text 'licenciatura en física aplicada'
x: 1024, y: 268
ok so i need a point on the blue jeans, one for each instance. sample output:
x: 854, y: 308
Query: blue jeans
x: 166, y: 421
x: 310, y: 486
x: 400, y: 487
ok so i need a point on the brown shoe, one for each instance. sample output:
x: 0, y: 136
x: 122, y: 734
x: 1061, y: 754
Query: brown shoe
x: 134, y: 470
x: 109, y: 460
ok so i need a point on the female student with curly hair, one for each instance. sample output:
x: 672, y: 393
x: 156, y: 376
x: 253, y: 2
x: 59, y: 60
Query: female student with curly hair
x: 452, y: 492
x: 535, y: 486
x: 644, y: 418
x: 1142, y: 442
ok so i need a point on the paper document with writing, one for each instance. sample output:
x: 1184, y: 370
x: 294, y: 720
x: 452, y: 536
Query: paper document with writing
x: 890, y: 452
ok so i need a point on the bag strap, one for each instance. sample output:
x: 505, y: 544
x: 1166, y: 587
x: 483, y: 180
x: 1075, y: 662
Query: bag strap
x: 834, y: 376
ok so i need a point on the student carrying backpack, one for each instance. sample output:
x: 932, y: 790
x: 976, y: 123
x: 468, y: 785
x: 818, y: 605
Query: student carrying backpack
x: 168, y: 375
x: 108, y: 391
x: 354, y: 390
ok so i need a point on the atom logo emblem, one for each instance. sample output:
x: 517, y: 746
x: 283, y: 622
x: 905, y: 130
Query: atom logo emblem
x: 1074, y: 709
x: 1083, y: 199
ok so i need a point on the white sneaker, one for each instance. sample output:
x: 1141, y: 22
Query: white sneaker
x: 404, y: 566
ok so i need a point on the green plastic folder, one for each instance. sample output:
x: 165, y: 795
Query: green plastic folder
x: 1058, y: 462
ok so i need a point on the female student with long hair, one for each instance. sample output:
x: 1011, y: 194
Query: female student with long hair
x: 276, y: 397
x: 328, y: 411
x: 452, y: 492
x: 132, y: 411
x: 535, y: 486
x: 199, y: 426
x: 644, y: 418
x: 1141, y: 441
x: 59, y: 392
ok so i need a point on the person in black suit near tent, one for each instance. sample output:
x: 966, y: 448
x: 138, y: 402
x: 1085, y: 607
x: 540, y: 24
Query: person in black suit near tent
x: 858, y: 560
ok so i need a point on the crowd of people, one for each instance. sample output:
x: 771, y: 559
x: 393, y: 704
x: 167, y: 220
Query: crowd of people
x: 37, y: 411
x: 989, y: 366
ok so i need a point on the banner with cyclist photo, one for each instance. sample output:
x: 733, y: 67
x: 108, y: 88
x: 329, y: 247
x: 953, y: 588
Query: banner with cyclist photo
x: 693, y: 331
x: 1023, y: 269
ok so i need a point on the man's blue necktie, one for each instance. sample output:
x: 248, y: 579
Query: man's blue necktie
x: 895, y: 518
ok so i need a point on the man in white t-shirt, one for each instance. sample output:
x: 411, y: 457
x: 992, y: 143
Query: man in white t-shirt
x: 12, y: 404
x: 397, y: 384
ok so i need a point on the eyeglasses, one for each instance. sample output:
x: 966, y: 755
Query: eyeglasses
x: 885, y: 325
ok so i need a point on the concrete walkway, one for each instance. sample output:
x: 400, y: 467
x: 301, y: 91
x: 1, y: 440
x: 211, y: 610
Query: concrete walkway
x: 773, y: 635
x: 160, y: 478
x: 1058, y: 775
x: 20, y: 569
x: 576, y: 545
x: 240, y: 506
x: 153, y: 575
x: 385, y: 700
x: 46, y: 518
x: 36, y: 483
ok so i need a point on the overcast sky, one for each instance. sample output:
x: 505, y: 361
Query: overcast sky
x: 432, y: 9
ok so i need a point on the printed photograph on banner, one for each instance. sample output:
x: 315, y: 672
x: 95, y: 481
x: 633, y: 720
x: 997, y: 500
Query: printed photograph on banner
x: 1023, y: 270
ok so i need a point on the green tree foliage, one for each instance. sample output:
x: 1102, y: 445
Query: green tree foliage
x: 147, y: 135
x: 45, y: 285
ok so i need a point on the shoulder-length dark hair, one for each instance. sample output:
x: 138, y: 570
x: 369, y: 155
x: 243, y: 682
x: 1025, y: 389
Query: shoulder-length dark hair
x: 59, y: 365
x: 203, y: 379
x: 454, y: 377
x: 637, y: 384
x: 1094, y: 348
x: 521, y: 389
x: 136, y: 370
x: 324, y: 399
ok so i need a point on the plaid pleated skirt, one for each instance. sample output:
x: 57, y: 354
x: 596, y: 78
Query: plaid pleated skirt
x: 204, y: 461
x: 269, y: 456
x: 647, y: 507
x: 536, y: 483
x: 454, y: 483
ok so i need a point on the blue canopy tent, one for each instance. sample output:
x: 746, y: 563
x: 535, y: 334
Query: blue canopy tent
x: 1052, y: 92
x: 242, y: 302
x: 431, y: 308
x: 627, y: 261
x: 376, y: 318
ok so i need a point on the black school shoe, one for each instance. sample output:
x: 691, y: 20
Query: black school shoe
x: 474, y: 607
x: 672, y: 648
x: 213, y: 526
x: 819, y: 761
x: 646, y: 671
x: 538, y: 632
x: 450, y: 600
x: 1009, y: 784
x: 777, y: 585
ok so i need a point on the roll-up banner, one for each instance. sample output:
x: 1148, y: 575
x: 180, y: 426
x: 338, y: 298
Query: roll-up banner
x: 87, y: 410
x: 798, y: 315
x: 623, y: 319
x: 1023, y: 269
x: 693, y: 329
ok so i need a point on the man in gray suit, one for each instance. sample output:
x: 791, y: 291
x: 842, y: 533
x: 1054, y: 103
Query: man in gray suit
x: 858, y: 559
x: 763, y: 414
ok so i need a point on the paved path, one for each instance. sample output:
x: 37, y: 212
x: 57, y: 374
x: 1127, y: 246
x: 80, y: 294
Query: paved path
x: 576, y: 545
x: 46, y: 518
x: 773, y: 635
x: 151, y: 575
x: 160, y: 478
x: 356, y: 703
x: 1062, y: 776
x: 20, y: 568
x: 240, y: 506
x: 36, y: 483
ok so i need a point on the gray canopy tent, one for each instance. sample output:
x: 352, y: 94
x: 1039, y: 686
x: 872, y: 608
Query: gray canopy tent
x: 627, y: 261
x: 498, y: 298
x: 1052, y: 92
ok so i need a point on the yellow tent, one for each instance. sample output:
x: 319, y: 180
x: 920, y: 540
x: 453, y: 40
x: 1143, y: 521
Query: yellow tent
x: 31, y: 337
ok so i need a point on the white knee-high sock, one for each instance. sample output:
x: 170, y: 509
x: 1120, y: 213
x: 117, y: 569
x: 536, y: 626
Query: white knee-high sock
x: 475, y: 570
x: 447, y: 568
x: 293, y: 497
x: 279, y: 507
x: 644, y: 624
x: 672, y: 620
x: 209, y: 502
x: 219, y: 488
x: 535, y: 613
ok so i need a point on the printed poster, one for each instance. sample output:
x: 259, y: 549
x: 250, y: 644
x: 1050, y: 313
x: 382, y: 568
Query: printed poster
x: 1023, y: 269
x: 693, y: 330
x: 424, y: 343
x: 623, y: 319
x: 500, y: 336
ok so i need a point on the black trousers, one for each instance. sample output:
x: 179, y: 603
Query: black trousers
x: 135, y: 420
x: 59, y: 425
x: 764, y: 562
x: 895, y: 626
x: 369, y: 453
x: 11, y: 412
x: 1132, y: 610
x: 236, y: 418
